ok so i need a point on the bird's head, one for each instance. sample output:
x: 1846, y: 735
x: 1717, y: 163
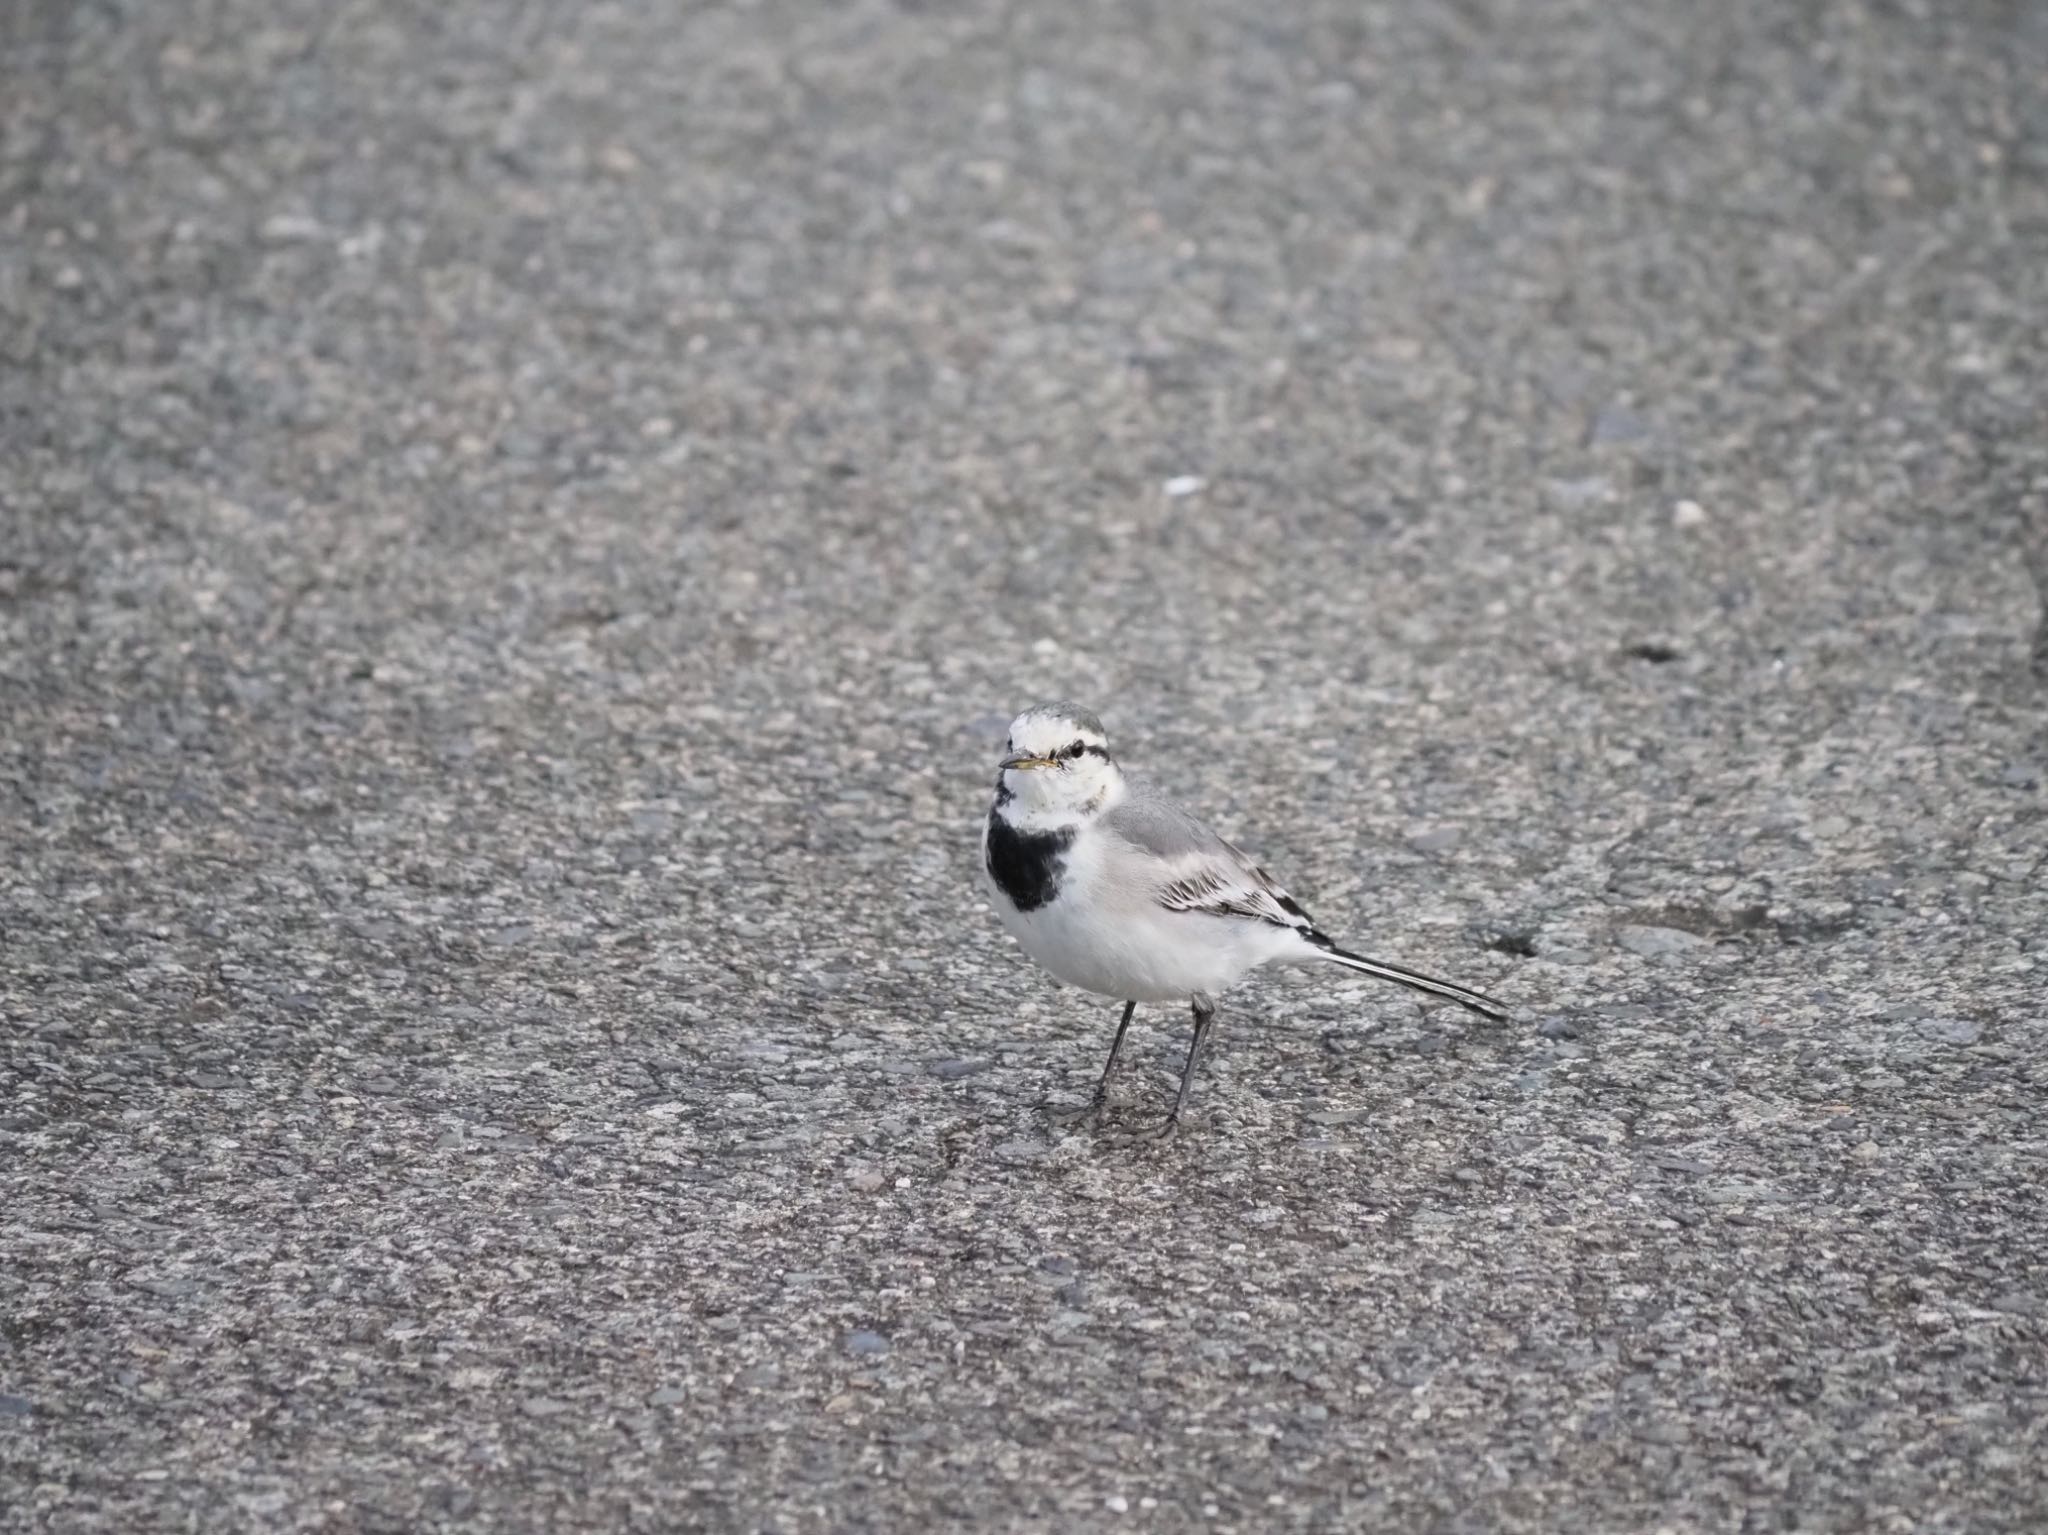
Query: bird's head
x: 1056, y: 763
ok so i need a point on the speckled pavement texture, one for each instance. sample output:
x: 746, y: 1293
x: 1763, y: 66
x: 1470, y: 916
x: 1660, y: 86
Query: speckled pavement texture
x: 521, y: 525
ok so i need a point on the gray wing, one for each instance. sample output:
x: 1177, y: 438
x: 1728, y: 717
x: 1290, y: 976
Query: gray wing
x: 1190, y: 868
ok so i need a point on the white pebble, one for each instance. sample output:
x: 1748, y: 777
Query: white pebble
x: 1688, y: 514
x: 1117, y: 1503
x: 1185, y: 485
x: 290, y: 228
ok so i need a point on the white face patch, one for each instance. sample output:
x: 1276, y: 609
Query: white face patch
x: 1048, y: 730
x: 1070, y: 774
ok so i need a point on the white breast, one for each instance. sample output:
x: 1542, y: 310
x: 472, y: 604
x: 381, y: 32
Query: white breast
x: 1105, y: 932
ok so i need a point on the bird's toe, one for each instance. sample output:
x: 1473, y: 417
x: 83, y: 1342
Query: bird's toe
x: 1163, y: 1131
x: 1089, y: 1113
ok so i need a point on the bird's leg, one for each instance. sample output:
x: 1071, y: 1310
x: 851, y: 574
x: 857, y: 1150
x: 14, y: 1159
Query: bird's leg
x: 1205, y: 1016
x: 1101, y: 1099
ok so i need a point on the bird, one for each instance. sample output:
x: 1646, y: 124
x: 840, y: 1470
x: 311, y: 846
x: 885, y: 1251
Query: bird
x: 1115, y: 888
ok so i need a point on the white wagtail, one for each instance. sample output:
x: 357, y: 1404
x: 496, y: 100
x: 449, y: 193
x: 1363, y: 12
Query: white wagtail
x: 1116, y: 889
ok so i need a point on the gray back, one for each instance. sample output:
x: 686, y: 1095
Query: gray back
x: 1148, y: 819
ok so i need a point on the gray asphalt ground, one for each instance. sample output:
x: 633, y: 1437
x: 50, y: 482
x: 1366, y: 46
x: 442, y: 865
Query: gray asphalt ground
x: 522, y: 528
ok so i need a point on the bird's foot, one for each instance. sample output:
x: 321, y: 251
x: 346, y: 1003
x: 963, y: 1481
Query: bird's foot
x: 1165, y: 1130
x: 1089, y: 1114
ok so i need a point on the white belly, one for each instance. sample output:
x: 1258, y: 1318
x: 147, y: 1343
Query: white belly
x: 1116, y: 943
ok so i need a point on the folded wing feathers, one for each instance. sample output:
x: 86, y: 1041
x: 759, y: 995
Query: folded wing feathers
x: 1207, y: 872
x: 1247, y: 891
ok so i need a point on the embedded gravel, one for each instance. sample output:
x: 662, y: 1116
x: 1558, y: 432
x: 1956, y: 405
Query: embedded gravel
x: 521, y: 526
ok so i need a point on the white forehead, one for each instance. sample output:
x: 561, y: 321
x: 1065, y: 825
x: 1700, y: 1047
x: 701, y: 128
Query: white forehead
x: 1051, y: 725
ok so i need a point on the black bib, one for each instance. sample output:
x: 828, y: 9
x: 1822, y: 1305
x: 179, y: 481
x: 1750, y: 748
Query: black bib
x: 1026, y: 864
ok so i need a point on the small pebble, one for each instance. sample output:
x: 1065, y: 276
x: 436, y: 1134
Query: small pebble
x: 1617, y: 423
x: 1335, y: 1116
x: 1656, y: 942
x: 1952, y: 1031
x: 1581, y: 492
x: 1185, y: 485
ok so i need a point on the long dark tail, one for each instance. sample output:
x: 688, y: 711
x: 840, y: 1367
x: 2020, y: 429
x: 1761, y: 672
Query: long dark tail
x: 1478, y: 1002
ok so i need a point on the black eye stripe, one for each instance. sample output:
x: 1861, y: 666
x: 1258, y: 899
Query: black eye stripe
x: 1071, y: 751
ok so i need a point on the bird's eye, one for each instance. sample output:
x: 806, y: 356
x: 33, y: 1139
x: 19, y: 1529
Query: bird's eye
x: 1076, y: 749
